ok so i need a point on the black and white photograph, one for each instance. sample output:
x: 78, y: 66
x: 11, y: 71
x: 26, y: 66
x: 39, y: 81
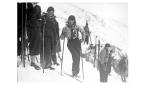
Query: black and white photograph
x: 78, y: 43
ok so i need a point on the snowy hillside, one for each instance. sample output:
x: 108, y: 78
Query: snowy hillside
x: 107, y: 29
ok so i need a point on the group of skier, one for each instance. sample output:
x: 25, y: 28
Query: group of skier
x: 42, y: 33
x: 43, y: 39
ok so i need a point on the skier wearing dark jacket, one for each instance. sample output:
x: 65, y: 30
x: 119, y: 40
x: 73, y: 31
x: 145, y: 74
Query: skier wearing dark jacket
x: 122, y: 65
x: 55, y: 40
x: 50, y: 34
x: 103, y: 59
x: 71, y: 31
x: 34, y: 32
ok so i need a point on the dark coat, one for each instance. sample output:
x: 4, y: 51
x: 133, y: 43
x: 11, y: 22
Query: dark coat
x: 51, y: 30
x: 122, y: 66
x: 33, y: 25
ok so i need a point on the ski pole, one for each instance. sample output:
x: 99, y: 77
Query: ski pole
x: 62, y: 55
x: 82, y: 68
x: 90, y: 38
x: 99, y: 62
x: 95, y: 51
x: 82, y: 63
x: 22, y: 38
x: 43, y: 44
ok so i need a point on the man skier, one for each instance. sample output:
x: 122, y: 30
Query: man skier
x: 49, y: 26
x: 71, y: 31
x: 34, y: 32
x: 86, y: 29
x: 103, y: 59
x: 56, y: 41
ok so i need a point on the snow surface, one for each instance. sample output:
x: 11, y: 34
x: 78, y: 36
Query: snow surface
x: 91, y: 74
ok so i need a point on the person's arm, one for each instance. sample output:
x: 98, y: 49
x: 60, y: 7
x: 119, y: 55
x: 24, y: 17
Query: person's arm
x: 57, y: 30
x: 64, y: 33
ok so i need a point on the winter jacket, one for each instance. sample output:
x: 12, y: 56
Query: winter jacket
x: 66, y: 32
x: 103, y: 56
x: 33, y: 28
x: 51, y: 29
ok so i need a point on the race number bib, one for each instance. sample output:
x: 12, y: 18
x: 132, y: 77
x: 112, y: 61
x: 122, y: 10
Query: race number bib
x: 74, y: 34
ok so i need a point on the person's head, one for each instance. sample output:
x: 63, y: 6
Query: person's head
x: 107, y: 45
x: 71, y: 20
x: 50, y: 11
x: 34, y: 3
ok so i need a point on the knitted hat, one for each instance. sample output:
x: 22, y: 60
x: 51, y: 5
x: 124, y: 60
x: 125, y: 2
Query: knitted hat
x: 107, y: 45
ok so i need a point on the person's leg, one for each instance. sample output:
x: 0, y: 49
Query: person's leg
x: 73, y: 58
x: 74, y: 47
x: 47, y: 54
x: 34, y: 47
x: 76, y: 62
x: 101, y: 73
x: 33, y: 62
x: 54, y: 58
x: 106, y: 76
x: 106, y: 71
x: 48, y: 60
x: 109, y: 65
x: 73, y: 64
x: 77, y: 52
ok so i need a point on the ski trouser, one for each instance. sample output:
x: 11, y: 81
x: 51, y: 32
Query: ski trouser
x: 74, y: 46
x: 54, y: 58
x: 109, y: 65
x: 47, y: 52
x: 53, y: 51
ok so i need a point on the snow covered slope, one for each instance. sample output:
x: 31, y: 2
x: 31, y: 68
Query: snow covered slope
x: 91, y: 74
x: 107, y: 29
